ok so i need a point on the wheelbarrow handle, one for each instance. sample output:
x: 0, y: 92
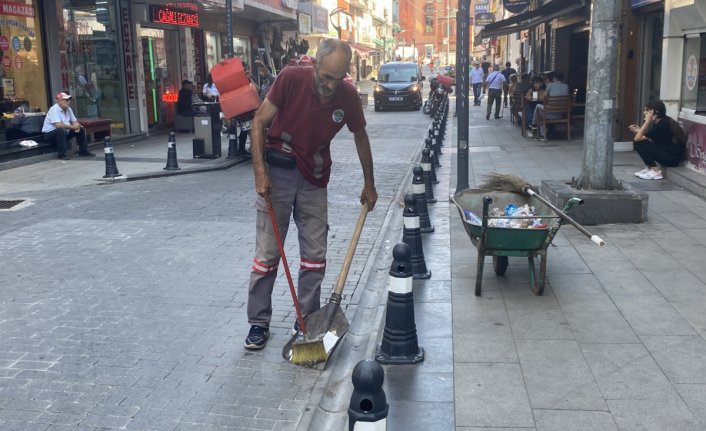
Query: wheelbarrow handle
x: 594, y: 238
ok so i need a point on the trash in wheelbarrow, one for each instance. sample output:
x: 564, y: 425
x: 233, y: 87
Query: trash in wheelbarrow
x: 518, y: 217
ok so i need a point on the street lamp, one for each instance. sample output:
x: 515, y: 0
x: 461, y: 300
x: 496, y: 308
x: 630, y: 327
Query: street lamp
x: 382, y: 33
x: 335, y: 12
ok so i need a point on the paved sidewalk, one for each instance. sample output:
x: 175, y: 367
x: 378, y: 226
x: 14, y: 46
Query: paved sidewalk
x: 142, y: 159
x: 615, y: 343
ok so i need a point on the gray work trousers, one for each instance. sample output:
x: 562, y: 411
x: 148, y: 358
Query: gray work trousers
x: 291, y: 195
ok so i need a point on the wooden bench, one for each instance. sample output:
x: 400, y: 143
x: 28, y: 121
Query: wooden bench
x: 97, y: 128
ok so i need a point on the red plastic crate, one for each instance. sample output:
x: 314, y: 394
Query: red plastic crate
x: 229, y: 75
x: 239, y: 101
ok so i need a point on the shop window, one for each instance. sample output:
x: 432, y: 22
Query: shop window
x: 22, y: 73
x: 694, y: 77
x: 89, y: 70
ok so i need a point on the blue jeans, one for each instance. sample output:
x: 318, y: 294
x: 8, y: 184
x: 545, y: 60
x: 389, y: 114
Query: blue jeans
x: 476, y: 93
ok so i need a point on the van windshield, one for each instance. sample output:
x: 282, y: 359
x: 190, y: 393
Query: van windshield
x: 398, y: 74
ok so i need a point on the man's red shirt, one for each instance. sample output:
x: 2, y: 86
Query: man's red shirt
x: 305, y: 126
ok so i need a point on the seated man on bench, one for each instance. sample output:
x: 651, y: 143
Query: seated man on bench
x: 61, y: 124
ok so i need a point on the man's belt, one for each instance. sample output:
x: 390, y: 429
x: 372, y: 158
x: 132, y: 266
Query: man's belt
x: 280, y: 160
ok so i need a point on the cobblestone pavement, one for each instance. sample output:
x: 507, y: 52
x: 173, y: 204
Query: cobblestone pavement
x: 122, y: 306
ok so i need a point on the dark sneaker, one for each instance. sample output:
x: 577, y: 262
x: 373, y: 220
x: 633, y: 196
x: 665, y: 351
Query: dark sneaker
x: 87, y: 154
x: 295, y: 328
x: 257, y: 337
x: 487, y: 116
x: 64, y: 157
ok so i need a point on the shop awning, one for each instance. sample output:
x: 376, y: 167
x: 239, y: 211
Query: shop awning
x: 362, y: 50
x: 523, y: 21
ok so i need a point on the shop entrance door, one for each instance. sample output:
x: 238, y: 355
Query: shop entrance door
x: 161, y: 69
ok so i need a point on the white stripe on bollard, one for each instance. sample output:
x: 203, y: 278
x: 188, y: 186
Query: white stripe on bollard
x: 411, y: 222
x: 418, y: 189
x: 401, y: 285
x: 380, y: 425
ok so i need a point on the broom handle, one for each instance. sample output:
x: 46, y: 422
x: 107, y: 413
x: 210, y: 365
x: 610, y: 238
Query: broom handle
x: 594, y: 238
x: 280, y: 246
x: 341, y: 280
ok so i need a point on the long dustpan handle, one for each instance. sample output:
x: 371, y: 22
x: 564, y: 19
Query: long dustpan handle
x: 341, y: 280
x: 594, y: 238
x: 280, y: 246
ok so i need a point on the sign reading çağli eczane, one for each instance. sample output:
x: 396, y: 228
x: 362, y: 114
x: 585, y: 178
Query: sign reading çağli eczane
x: 166, y: 15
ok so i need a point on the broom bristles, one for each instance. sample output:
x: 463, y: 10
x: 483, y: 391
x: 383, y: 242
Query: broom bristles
x: 308, y: 352
x: 504, y: 183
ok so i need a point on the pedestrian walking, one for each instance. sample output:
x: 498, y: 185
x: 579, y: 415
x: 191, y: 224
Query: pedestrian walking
x: 494, y: 82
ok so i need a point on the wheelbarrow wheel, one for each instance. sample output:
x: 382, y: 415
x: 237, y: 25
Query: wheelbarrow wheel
x: 500, y: 264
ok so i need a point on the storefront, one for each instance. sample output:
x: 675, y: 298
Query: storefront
x: 685, y: 44
x: 87, y: 43
x: 23, y: 62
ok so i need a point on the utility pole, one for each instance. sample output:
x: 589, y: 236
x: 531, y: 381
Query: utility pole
x: 229, y: 29
x: 448, y: 32
x: 463, y: 20
x: 597, y: 169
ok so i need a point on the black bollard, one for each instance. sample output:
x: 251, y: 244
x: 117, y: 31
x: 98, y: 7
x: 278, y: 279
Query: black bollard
x: 437, y: 146
x: 425, y: 225
x: 399, y: 345
x: 412, y: 236
x: 232, y: 143
x: 172, y: 164
x: 111, y: 168
x: 368, y: 408
x: 427, y: 166
x: 430, y: 147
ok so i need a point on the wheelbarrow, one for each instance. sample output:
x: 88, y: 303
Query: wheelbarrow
x: 502, y: 242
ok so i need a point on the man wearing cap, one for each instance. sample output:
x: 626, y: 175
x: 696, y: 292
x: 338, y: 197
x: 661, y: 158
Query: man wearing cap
x: 61, y: 124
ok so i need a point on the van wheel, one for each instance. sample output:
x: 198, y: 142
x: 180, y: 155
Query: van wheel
x: 377, y: 108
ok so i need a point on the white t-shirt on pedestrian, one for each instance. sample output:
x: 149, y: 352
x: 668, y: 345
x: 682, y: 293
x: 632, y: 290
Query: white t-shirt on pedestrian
x: 476, y: 76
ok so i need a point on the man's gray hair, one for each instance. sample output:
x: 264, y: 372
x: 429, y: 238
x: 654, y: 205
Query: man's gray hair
x: 329, y: 46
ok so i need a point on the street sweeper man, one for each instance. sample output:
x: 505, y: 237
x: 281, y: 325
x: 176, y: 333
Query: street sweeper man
x: 291, y: 138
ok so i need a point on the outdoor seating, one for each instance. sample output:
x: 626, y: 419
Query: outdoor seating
x: 517, y: 109
x: 557, y: 110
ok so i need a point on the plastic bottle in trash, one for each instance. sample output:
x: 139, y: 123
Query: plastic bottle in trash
x: 510, y: 209
x: 471, y: 217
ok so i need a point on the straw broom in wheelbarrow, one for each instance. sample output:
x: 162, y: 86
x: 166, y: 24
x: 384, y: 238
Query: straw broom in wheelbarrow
x: 512, y: 183
x: 327, y: 325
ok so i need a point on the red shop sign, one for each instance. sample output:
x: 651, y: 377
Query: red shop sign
x: 6, y: 62
x: 18, y: 63
x: 4, y: 43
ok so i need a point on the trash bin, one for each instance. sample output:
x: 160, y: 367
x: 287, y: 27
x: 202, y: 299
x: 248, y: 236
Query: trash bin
x: 207, y: 128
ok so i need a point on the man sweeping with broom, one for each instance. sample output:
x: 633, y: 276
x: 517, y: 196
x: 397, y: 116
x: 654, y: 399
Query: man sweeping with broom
x: 291, y: 137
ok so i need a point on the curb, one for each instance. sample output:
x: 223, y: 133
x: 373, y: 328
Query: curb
x: 328, y: 405
x: 158, y: 174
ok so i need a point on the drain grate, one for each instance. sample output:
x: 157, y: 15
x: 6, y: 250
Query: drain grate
x: 6, y: 205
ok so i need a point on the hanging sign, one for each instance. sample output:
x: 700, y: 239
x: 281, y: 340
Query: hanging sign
x: 165, y: 15
x: 483, y: 19
x: 516, y: 6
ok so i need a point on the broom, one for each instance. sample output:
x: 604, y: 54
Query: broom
x: 515, y: 184
x: 304, y: 350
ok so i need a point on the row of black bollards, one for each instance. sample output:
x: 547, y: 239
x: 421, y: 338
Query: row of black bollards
x: 368, y: 408
x: 111, y: 167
